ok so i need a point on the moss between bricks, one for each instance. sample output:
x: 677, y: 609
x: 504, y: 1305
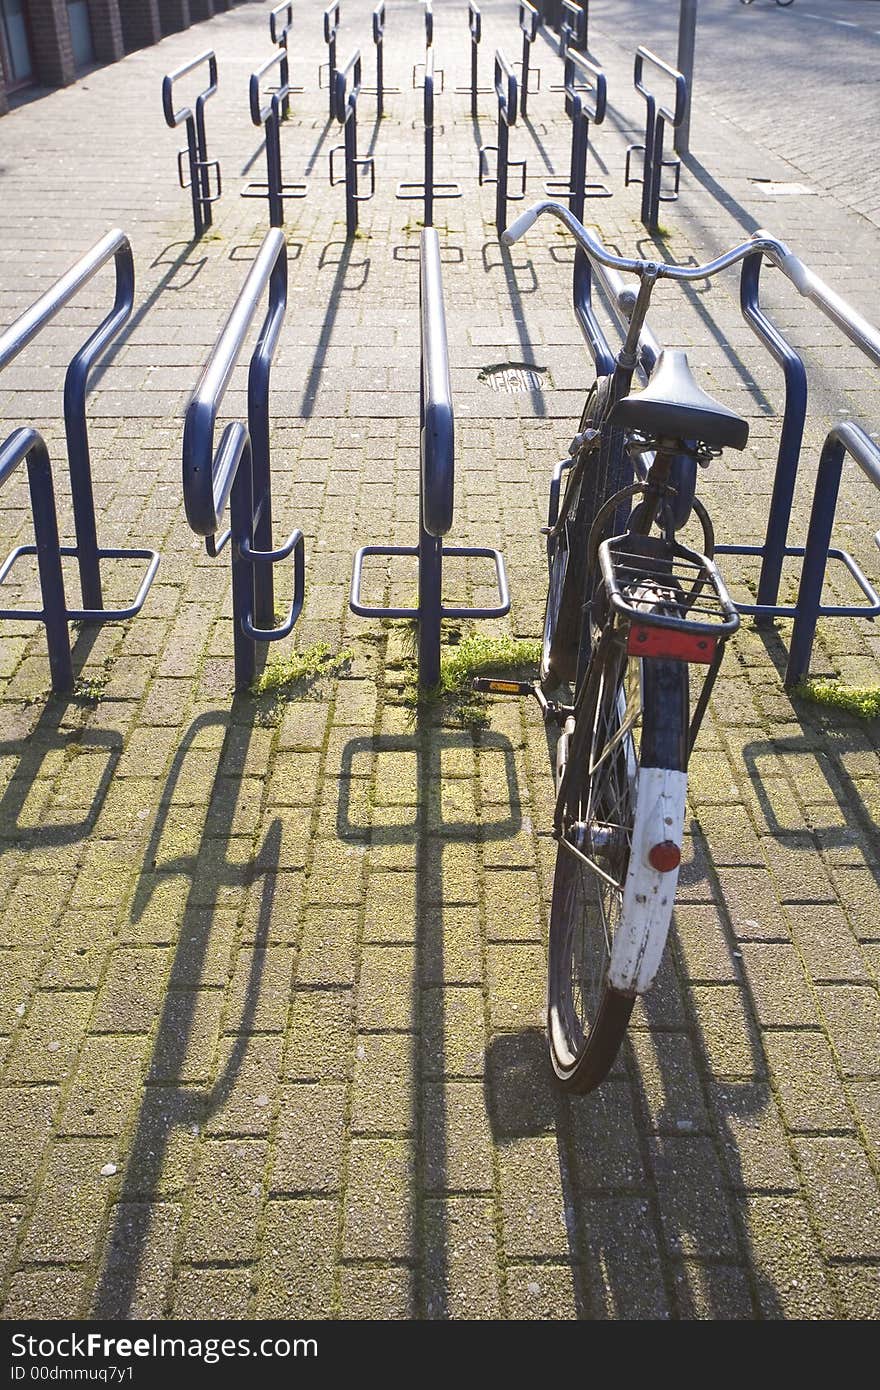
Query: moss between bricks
x: 473, y: 655
x: 298, y: 672
x: 862, y: 701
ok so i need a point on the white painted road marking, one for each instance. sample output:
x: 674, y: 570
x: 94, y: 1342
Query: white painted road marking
x: 841, y: 23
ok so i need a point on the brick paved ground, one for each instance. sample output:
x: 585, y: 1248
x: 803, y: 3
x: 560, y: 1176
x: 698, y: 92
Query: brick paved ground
x: 286, y: 973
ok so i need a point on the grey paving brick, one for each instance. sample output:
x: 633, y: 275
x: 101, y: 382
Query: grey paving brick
x: 791, y: 1282
x: 295, y: 1274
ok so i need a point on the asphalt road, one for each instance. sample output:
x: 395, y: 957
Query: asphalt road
x: 803, y: 81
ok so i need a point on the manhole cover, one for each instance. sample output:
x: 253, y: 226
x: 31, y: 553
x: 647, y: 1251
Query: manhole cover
x: 782, y: 190
x: 515, y: 376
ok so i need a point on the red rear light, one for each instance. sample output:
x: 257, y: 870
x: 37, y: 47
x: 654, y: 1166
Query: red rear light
x: 664, y: 856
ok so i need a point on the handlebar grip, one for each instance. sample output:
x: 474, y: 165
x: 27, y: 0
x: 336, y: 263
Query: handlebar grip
x: 797, y: 272
x: 520, y: 225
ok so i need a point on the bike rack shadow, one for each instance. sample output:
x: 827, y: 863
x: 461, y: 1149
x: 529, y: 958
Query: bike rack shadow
x: 334, y: 299
x: 515, y: 291
x: 313, y: 157
x: 429, y: 834
x: 48, y: 737
x: 139, y: 314
x: 184, y: 1104
x: 237, y: 253
x: 651, y: 1192
x: 411, y: 253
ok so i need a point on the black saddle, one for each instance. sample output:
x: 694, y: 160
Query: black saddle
x: 673, y: 406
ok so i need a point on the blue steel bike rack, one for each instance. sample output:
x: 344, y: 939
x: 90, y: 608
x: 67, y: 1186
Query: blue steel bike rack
x: 348, y: 87
x: 270, y: 116
x: 845, y: 439
x: 529, y: 19
x: 775, y: 548
x: 656, y: 118
x: 475, y: 26
x: 198, y: 180
x: 582, y: 78
x: 237, y: 471
x: 428, y: 190
x: 436, y: 486
x: 572, y: 26
x: 332, y: 20
x: 621, y: 299
x: 379, y: 41
x: 506, y: 92
x: 26, y: 445
x: 280, y: 38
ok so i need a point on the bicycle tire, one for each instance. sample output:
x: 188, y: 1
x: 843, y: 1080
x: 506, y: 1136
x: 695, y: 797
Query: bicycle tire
x: 591, y: 480
x: 587, y: 1017
x: 784, y: 4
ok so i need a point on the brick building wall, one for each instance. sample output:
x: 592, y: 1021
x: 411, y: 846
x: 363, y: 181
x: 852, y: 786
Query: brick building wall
x: 141, y: 23
x: 118, y: 27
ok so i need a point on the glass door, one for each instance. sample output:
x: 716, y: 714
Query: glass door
x: 17, y: 49
x: 80, y: 32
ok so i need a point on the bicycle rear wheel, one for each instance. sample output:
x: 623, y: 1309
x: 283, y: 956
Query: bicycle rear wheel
x: 634, y: 720
x: 591, y: 480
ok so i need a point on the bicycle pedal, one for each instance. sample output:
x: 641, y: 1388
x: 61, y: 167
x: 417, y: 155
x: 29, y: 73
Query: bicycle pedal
x: 489, y: 686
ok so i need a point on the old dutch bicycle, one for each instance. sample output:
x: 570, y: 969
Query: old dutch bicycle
x: 630, y: 612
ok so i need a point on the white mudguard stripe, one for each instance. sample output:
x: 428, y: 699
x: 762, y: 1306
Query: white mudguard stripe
x: 648, y: 896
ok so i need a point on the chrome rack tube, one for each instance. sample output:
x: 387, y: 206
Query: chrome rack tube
x: 237, y: 471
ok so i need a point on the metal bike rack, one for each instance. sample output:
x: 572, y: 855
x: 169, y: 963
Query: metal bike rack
x: 621, y: 299
x: 506, y: 92
x: 475, y: 25
x: 348, y: 87
x: 196, y: 151
x: 656, y: 118
x: 429, y: 22
x: 529, y: 19
x: 270, y: 117
x: 428, y: 190
x: 332, y: 20
x: 379, y: 40
x: 436, y: 486
x: 583, y: 78
x: 26, y: 445
x: 283, y: 13
x: 845, y: 439
x: 572, y: 26
x: 237, y: 471
x: 775, y: 548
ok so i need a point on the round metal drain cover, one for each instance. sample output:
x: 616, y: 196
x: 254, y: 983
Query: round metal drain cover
x: 515, y: 377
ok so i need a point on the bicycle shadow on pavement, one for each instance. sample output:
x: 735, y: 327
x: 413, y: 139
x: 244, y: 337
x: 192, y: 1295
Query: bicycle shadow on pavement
x: 206, y: 841
x: 646, y: 1221
x: 426, y: 816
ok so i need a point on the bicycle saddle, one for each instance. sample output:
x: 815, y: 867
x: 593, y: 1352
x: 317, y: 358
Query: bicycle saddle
x: 672, y: 405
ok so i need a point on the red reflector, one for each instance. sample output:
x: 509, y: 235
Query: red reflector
x: 645, y: 640
x: 664, y: 856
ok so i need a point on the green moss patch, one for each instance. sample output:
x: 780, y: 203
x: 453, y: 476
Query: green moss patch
x: 474, y: 655
x: 862, y: 701
x: 296, y: 673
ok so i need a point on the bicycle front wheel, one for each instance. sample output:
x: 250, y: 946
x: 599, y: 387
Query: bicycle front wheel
x: 634, y: 722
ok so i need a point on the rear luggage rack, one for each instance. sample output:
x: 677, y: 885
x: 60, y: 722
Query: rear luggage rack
x: 698, y: 612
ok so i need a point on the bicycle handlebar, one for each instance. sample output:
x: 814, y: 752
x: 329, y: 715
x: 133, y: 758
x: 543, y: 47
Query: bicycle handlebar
x: 859, y: 331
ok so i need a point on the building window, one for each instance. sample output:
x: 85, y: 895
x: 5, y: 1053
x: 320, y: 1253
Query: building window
x: 16, y: 46
x: 80, y: 32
